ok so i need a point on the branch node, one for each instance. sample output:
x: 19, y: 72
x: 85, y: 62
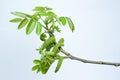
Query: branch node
x: 101, y: 62
x: 116, y: 65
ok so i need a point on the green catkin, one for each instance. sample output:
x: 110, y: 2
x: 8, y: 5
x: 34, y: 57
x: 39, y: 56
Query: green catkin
x: 59, y: 44
x: 60, y: 60
x: 48, y: 42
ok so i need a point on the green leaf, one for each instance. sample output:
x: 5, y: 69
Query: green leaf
x: 49, y: 19
x: 40, y: 14
x: 21, y: 14
x: 57, y: 29
x: 43, y: 37
x: 15, y: 20
x: 70, y: 23
x: 38, y: 70
x: 47, y: 8
x: 60, y: 60
x: 35, y: 17
x: 63, y: 20
x: 22, y: 23
x: 39, y: 28
x: 44, y: 68
x: 51, y: 14
x: 30, y: 26
x: 35, y: 67
x: 36, y: 61
x: 39, y: 8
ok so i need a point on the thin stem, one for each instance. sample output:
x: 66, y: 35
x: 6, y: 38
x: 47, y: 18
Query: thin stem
x: 87, y: 61
x: 46, y: 27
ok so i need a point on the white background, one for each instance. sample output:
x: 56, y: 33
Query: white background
x: 97, y: 37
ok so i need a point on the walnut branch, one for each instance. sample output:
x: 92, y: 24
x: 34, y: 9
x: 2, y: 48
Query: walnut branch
x: 87, y: 61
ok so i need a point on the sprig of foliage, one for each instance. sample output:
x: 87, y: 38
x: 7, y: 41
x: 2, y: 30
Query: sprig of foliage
x: 45, y: 23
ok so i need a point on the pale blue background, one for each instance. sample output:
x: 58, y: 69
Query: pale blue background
x: 97, y: 37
